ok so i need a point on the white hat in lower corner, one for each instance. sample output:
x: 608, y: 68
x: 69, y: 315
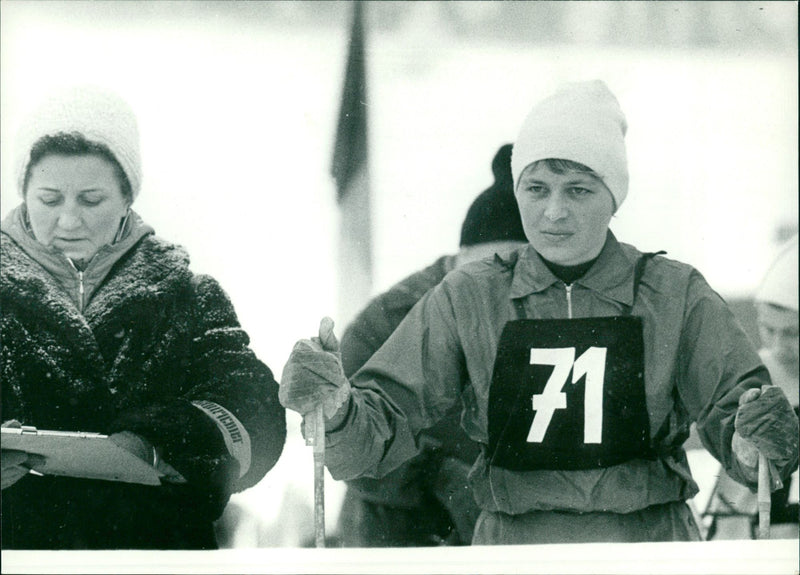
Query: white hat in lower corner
x: 779, y: 286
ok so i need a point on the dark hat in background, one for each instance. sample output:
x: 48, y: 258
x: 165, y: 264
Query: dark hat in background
x: 494, y: 215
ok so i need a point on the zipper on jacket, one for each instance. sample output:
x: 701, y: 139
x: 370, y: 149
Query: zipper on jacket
x: 569, y: 300
x: 80, y: 284
x: 81, y: 290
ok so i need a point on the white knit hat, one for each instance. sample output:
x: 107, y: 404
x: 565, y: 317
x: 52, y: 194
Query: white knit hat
x: 779, y: 286
x: 582, y: 122
x: 98, y: 115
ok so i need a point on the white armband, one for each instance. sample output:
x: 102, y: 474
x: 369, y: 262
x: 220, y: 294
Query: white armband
x: 237, y: 440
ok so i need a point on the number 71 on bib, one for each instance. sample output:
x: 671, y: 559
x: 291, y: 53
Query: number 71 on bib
x: 592, y: 364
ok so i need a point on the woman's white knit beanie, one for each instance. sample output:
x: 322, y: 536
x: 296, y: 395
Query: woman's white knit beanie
x: 98, y: 115
x: 779, y: 286
x: 582, y: 122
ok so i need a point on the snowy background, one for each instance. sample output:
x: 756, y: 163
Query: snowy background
x: 238, y: 102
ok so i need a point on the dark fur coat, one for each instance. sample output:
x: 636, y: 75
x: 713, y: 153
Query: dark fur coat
x: 153, y: 338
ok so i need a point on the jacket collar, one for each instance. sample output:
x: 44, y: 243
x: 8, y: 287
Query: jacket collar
x: 611, y: 275
x: 59, y: 267
x: 153, y: 272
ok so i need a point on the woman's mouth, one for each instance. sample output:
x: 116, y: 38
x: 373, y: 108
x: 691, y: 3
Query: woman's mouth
x: 556, y: 236
x: 69, y: 244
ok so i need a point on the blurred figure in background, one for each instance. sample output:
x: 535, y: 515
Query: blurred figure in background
x: 106, y: 329
x: 427, y: 501
x: 777, y: 310
x: 733, y: 508
x: 779, y: 328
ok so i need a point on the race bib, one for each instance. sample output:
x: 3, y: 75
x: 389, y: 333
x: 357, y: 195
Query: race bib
x: 568, y: 394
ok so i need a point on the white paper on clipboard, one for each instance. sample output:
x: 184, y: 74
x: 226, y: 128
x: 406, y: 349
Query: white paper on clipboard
x: 80, y: 454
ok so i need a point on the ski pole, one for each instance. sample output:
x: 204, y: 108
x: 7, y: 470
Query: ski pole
x: 764, y: 497
x: 327, y: 342
x: 316, y: 438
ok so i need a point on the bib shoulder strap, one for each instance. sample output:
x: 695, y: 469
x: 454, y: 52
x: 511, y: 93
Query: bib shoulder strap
x: 519, y: 308
x: 638, y: 270
x: 507, y: 263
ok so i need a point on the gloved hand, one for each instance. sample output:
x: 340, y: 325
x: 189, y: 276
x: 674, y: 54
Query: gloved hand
x: 765, y: 423
x: 145, y: 450
x: 313, y: 375
x: 136, y: 444
x: 15, y: 464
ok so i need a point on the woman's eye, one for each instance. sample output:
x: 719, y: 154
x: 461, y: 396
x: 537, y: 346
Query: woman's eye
x: 50, y: 200
x: 578, y: 191
x: 91, y: 201
x: 536, y: 189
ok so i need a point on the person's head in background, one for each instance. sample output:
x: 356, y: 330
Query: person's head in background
x: 493, y: 224
x: 79, y: 170
x: 776, y: 303
x: 570, y: 171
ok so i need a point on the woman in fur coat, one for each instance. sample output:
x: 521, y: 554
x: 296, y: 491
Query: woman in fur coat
x: 105, y: 329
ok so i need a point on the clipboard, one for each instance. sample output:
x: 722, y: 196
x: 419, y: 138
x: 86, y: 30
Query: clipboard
x: 80, y: 454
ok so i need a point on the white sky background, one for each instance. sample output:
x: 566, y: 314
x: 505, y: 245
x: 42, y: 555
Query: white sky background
x: 238, y: 117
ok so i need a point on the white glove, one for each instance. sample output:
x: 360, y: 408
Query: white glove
x: 313, y: 375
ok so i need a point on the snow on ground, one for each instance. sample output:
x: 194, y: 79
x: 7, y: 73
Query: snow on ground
x: 716, y: 557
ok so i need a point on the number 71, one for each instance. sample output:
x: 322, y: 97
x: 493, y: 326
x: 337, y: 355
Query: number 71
x: 592, y: 364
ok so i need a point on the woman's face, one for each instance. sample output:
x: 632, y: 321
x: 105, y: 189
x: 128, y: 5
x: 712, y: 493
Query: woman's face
x: 75, y: 204
x: 565, y: 216
x: 779, y: 329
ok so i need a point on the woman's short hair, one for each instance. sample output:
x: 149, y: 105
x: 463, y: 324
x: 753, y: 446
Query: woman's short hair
x: 75, y: 144
x: 561, y: 166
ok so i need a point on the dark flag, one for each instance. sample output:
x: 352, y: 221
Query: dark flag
x: 350, y: 170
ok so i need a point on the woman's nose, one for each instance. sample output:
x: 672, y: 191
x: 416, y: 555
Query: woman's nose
x: 69, y: 219
x: 556, y: 208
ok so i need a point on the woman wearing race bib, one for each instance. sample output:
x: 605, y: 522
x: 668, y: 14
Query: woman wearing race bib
x: 579, y: 361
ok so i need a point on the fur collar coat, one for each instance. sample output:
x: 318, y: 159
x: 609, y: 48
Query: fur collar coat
x: 153, y: 340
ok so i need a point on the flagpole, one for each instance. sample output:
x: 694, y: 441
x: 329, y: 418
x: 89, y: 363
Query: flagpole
x: 350, y: 169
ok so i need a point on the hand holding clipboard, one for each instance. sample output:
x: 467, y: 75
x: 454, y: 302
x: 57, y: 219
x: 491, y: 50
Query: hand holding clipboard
x: 80, y: 454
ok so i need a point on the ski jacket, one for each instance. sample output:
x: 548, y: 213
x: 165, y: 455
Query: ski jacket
x: 405, y: 486
x: 698, y: 361
x: 157, y: 351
